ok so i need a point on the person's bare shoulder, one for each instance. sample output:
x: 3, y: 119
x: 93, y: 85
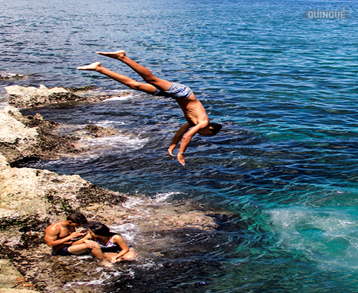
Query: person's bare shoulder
x: 53, y: 230
x: 117, y: 239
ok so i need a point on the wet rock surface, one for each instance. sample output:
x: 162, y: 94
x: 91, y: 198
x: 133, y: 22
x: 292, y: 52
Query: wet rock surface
x: 30, y: 97
x: 8, y: 75
x: 157, y: 227
x: 30, y: 138
x: 11, y: 280
x: 31, y: 199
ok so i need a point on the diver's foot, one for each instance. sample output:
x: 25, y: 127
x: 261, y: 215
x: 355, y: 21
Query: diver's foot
x: 94, y: 66
x: 116, y: 55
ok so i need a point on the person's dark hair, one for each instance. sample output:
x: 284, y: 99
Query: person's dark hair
x: 77, y: 218
x: 100, y: 229
x: 214, y: 127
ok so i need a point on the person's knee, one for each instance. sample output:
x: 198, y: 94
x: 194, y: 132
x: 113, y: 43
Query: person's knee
x: 134, y: 85
x: 130, y: 255
x: 92, y: 244
x: 150, y: 78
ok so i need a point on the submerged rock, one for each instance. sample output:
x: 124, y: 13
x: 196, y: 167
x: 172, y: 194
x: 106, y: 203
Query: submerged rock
x: 99, y: 131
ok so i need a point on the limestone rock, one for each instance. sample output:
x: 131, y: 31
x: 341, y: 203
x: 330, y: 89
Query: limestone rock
x: 16, y: 291
x: 15, y: 137
x: 8, y: 274
x: 3, y: 162
x: 29, y: 97
x: 11, y: 280
x: 26, y: 192
x: 23, y: 137
x: 14, y: 132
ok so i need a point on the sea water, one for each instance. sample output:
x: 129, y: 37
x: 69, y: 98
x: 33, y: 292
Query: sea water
x: 283, y: 86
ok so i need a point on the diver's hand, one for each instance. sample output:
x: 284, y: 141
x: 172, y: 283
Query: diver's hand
x: 181, y: 158
x: 170, y: 153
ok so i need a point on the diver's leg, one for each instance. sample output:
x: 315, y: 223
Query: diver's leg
x: 144, y: 87
x: 144, y: 72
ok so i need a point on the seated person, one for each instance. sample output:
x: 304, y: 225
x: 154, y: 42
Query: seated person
x: 59, y: 236
x: 103, y: 244
x: 107, y: 245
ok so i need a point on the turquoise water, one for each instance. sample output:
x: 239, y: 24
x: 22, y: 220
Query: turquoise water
x: 285, y: 162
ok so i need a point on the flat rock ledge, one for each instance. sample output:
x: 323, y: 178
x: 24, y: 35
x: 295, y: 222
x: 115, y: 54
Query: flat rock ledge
x: 29, y: 138
x: 31, y: 199
x: 11, y: 280
x: 30, y: 97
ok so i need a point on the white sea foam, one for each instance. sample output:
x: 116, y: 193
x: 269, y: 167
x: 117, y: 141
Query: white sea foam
x: 131, y: 202
x: 93, y: 282
x: 83, y: 257
x: 118, y: 141
x: 128, y: 231
x: 9, y: 75
x: 109, y: 123
x: 151, y: 264
x: 105, y: 276
x: 325, y: 235
x: 120, y: 97
x: 158, y: 198
x: 161, y: 197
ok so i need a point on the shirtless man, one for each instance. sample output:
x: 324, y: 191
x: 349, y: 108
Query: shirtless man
x: 59, y: 236
x: 194, y: 112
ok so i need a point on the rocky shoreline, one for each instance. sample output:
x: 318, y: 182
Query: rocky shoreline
x: 31, y: 97
x: 31, y: 199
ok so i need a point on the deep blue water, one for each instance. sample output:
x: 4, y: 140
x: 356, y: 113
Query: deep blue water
x: 283, y: 86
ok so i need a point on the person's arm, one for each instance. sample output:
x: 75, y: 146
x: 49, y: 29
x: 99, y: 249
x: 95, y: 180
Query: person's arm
x: 87, y: 237
x: 51, y: 237
x: 186, y: 140
x: 123, y: 245
x: 177, y: 137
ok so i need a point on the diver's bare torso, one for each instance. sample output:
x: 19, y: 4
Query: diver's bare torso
x: 194, y: 111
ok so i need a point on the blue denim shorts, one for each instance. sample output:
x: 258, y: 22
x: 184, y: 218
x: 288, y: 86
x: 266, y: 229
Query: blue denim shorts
x: 176, y: 91
x: 63, y: 251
